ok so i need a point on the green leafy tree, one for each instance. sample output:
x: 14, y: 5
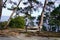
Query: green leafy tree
x: 55, y: 17
x: 50, y: 6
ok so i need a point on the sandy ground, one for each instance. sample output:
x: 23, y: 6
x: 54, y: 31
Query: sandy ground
x: 23, y: 37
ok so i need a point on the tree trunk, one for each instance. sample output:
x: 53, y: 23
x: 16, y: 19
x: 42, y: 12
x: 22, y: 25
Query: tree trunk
x: 42, y: 15
x: 12, y: 15
x: 1, y: 3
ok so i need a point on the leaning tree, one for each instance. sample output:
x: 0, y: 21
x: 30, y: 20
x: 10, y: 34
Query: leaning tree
x: 42, y: 15
x: 14, y: 10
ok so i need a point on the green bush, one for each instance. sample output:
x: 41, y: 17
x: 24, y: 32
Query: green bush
x: 2, y: 24
x: 17, y: 22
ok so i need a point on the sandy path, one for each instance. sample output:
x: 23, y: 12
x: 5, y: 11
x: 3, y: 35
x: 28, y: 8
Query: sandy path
x: 23, y: 37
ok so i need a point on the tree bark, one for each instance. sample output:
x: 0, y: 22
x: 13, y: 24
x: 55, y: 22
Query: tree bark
x: 12, y: 15
x: 42, y: 15
x: 1, y: 3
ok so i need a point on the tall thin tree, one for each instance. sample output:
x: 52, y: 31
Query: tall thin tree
x: 42, y: 16
x: 12, y: 14
x: 1, y: 3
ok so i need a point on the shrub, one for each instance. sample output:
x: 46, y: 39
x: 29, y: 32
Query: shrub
x: 17, y: 22
x: 2, y: 24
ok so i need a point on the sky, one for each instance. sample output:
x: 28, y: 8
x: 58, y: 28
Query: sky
x: 6, y: 12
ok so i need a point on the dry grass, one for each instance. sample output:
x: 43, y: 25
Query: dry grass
x: 16, y: 32
x: 8, y: 32
x: 48, y: 34
x: 43, y: 34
